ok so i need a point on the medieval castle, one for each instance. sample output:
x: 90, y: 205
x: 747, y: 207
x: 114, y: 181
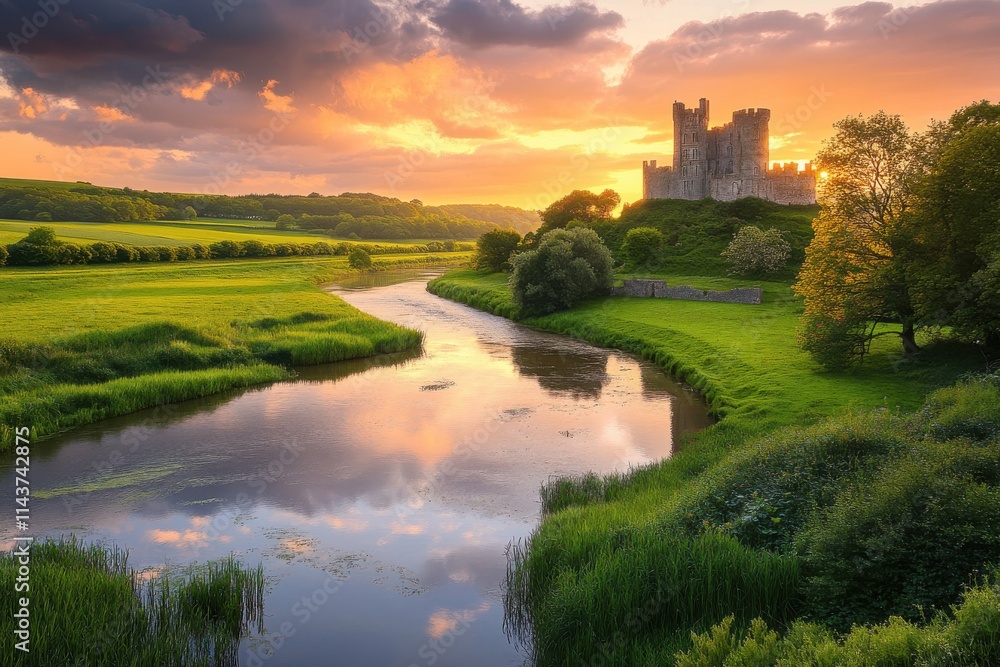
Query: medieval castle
x: 725, y: 163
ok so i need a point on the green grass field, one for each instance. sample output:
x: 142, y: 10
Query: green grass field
x: 90, y: 342
x: 610, y: 547
x: 173, y: 233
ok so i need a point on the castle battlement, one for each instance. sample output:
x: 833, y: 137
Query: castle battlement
x: 726, y: 162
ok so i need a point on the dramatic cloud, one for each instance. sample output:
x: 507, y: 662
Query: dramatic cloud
x: 485, y: 23
x: 448, y: 100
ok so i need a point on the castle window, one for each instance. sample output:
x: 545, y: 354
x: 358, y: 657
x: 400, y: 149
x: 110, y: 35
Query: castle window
x: 756, y: 171
x: 729, y: 167
x: 729, y: 150
x: 684, y: 171
x: 736, y: 188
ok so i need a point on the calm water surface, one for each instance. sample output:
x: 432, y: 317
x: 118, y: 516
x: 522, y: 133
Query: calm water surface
x: 378, y: 494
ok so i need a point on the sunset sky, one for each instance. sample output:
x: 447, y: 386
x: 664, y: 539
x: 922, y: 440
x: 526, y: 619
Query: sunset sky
x: 453, y: 101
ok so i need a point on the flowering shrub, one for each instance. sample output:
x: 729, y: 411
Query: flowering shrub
x: 756, y: 252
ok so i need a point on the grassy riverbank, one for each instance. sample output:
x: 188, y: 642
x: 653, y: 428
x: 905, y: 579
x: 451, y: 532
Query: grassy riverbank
x: 88, y: 607
x: 84, y: 343
x: 742, y: 520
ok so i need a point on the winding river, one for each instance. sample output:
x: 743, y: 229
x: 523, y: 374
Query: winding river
x: 379, y: 494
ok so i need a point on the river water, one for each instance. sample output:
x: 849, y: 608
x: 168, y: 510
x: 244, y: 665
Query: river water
x: 379, y: 494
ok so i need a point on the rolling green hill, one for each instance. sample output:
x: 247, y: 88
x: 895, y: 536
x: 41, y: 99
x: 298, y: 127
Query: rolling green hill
x: 696, y: 232
x: 349, y: 215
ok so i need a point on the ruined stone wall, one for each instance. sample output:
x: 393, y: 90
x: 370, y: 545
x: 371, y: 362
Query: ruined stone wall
x: 659, y: 289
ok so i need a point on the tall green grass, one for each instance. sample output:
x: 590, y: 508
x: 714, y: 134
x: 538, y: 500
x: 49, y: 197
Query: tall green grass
x: 58, y: 407
x: 87, y: 607
x: 641, y: 583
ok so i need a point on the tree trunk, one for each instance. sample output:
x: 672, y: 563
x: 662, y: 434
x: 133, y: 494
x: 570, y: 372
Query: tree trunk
x: 910, y: 347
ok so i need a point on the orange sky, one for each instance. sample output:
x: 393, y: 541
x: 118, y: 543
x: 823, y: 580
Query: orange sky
x: 456, y: 100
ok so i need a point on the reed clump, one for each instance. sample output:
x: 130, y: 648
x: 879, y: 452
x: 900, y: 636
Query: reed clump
x: 88, y: 607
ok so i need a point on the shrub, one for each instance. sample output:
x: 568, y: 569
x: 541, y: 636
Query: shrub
x: 966, y: 637
x: 494, y: 248
x: 41, y: 236
x: 568, y: 266
x: 283, y: 249
x: 3, y: 255
x: 71, y: 253
x: 907, y: 541
x: 322, y: 248
x: 167, y: 253
x: 285, y: 221
x: 641, y: 247
x: 255, y: 248
x: 201, y: 251
x: 359, y: 259
x: 756, y: 252
x: 43, y: 216
x: 765, y: 494
x: 102, y: 253
x: 148, y: 253
x: 185, y: 252
x: 968, y: 409
x: 38, y: 248
x: 226, y: 249
x: 125, y: 253
x: 272, y: 214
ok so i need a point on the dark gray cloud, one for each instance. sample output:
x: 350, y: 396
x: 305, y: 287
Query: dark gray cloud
x: 484, y: 23
x: 90, y: 42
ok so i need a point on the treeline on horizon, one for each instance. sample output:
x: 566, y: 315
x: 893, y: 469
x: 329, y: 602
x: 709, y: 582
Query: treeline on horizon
x: 349, y: 215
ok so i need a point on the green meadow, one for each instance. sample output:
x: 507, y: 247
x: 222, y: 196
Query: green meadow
x: 172, y: 233
x: 83, y: 343
x: 731, y: 537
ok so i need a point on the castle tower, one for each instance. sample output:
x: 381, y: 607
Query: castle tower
x: 691, y: 149
x: 750, y: 129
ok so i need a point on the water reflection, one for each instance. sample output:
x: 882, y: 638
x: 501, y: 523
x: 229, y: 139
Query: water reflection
x: 582, y: 374
x: 379, y: 494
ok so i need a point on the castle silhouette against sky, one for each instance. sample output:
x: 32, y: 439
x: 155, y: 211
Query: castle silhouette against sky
x: 725, y: 163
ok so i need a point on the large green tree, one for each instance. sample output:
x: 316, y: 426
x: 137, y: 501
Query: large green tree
x: 494, y: 248
x: 568, y: 266
x: 956, y: 221
x: 854, y: 276
x: 581, y: 205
